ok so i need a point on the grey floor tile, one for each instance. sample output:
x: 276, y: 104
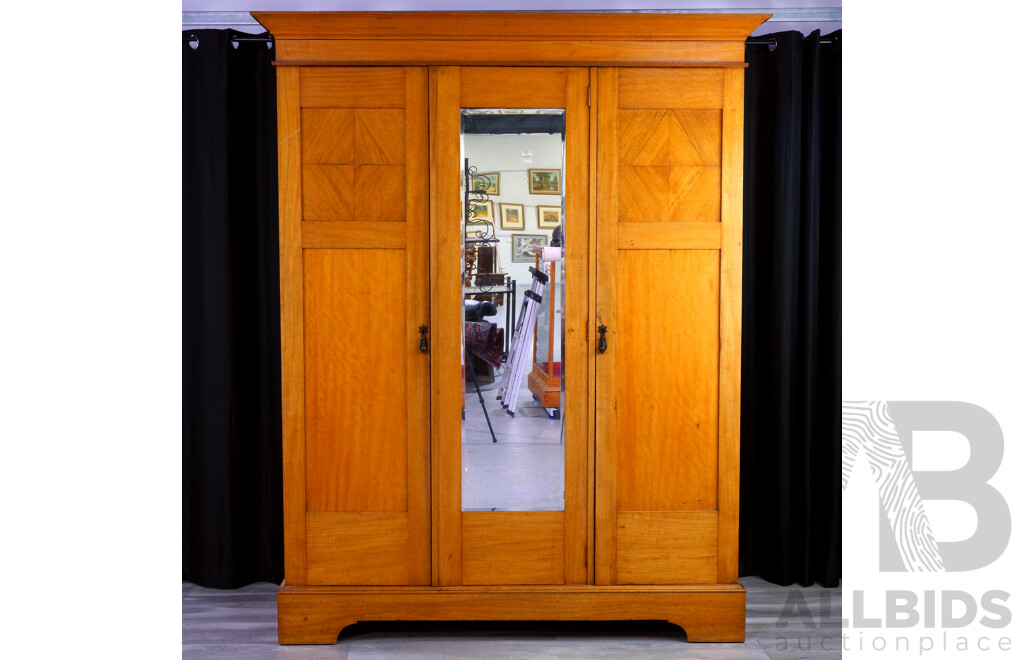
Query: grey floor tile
x: 266, y: 588
x: 262, y: 652
x: 559, y: 647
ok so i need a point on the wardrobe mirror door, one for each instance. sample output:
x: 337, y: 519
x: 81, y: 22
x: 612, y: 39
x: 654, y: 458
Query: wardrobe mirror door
x: 513, y: 288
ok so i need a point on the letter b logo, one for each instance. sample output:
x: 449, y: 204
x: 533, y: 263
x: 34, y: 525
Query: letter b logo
x: 883, y: 430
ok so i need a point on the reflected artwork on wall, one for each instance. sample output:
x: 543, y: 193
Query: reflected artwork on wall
x: 488, y: 182
x: 549, y: 217
x: 545, y: 182
x: 524, y: 247
x: 512, y: 216
x: 480, y: 211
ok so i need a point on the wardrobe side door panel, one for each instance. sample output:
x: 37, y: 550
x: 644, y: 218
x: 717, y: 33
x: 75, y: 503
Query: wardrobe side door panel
x: 356, y: 447
x: 364, y: 183
x: 659, y: 300
x: 667, y: 385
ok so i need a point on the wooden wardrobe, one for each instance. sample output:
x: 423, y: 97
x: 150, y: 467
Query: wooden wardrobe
x: 371, y: 318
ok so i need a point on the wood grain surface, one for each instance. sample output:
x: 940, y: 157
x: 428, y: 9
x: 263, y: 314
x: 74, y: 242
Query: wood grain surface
x: 448, y: 26
x: 293, y: 414
x: 315, y: 615
x: 513, y: 547
x: 730, y: 350
x: 660, y: 247
x: 357, y: 442
x: 358, y: 548
x: 551, y: 52
x: 667, y: 547
x: 654, y: 220
x: 365, y: 452
x: 667, y: 386
x: 447, y: 313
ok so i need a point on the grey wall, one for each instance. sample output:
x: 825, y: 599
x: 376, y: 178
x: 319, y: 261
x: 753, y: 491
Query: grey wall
x: 503, y: 154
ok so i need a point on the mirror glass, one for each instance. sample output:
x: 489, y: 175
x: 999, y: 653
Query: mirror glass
x: 513, y: 289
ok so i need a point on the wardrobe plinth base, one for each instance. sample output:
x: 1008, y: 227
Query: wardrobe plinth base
x: 316, y: 615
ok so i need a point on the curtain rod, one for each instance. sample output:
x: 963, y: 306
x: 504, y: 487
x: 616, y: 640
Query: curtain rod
x: 773, y: 43
x: 192, y: 38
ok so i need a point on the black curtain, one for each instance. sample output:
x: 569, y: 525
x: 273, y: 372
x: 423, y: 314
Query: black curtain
x: 790, y: 471
x: 790, y: 483
x: 231, y: 445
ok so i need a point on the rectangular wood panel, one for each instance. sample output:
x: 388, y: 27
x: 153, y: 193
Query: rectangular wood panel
x: 670, y: 236
x: 670, y: 165
x: 670, y: 88
x: 578, y: 347
x: 667, y: 380
x: 417, y: 256
x: 555, y: 52
x: 327, y: 192
x: 353, y: 135
x: 667, y: 547
x: 355, y: 336
x: 358, y: 548
x: 293, y: 427
x: 446, y: 328
x: 732, y: 317
x: 513, y: 547
x: 707, y: 612
x: 521, y: 87
x: 327, y: 135
x: 353, y: 164
x: 391, y: 236
x: 363, y: 87
x: 592, y: 442
x: 606, y: 318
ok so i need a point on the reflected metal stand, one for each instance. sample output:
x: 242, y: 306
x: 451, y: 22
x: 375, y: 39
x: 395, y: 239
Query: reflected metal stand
x: 483, y: 406
x: 516, y: 363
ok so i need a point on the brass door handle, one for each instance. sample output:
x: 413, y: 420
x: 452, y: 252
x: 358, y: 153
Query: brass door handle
x: 423, y: 339
x: 602, y: 343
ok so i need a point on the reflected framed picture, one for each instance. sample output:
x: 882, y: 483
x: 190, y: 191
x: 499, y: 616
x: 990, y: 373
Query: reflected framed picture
x: 545, y: 182
x: 480, y: 211
x: 549, y: 217
x: 512, y: 216
x: 523, y: 247
x: 488, y: 182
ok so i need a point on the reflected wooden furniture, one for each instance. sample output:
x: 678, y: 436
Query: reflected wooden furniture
x: 369, y: 130
x: 545, y: 379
